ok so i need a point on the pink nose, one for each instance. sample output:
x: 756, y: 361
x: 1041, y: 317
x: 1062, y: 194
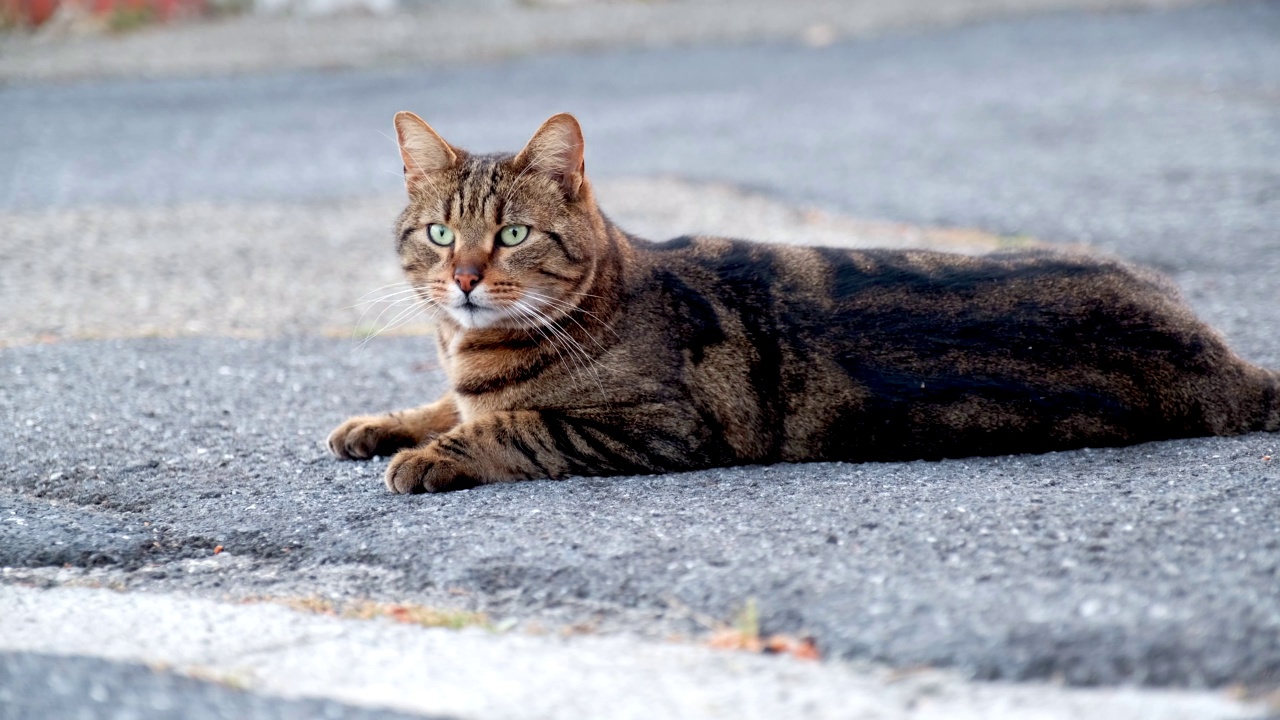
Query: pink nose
x: 468, y: 278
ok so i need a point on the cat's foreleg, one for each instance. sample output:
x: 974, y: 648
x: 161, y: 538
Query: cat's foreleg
x: 527, y: 445
x: 364, y: 436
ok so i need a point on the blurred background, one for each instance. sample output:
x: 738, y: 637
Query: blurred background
x: 226, y: 166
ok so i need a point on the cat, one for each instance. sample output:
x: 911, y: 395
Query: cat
x: 573, y: 348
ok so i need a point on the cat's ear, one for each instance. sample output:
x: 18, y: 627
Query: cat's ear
x: 556, y: 150
x: 424, y: 152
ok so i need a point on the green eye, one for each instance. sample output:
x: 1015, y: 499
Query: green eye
x: 513, y: 234
x: 440, y: 234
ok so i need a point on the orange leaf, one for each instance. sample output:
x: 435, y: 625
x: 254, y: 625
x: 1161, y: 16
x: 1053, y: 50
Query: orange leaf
x: 731, y: 639
x: 807, y: 649
x: 802, y: 648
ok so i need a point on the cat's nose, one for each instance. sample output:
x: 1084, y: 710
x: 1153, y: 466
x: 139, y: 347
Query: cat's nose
x: 468, y: 278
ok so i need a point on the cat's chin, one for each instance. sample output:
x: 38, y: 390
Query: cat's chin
x: 474, y: 317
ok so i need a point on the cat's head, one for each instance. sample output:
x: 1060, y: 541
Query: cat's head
x: 498, y: 240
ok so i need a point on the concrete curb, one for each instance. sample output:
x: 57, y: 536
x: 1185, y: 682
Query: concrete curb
x: 473, y: 673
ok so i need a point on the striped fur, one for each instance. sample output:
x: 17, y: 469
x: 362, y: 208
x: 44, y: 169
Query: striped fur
x: 643, y: 357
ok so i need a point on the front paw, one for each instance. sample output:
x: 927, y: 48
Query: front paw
x: 425, y: 470
x: 363, y: 437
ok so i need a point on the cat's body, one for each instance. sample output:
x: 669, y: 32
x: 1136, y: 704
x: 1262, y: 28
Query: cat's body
x: 592, y: 352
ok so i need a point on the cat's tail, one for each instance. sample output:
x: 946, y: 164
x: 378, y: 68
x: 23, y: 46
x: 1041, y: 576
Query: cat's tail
x: 1271, y: 399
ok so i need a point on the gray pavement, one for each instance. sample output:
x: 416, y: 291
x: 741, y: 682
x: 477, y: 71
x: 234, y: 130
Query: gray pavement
x: 1154, y: 564
x: 1154, y: 136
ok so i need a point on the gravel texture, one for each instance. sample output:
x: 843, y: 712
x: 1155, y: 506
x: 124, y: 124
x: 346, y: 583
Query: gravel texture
x: 1153, y: 564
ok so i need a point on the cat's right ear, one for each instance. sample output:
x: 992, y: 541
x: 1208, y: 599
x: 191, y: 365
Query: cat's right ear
x: 556, y: 149
x: 424, y: 152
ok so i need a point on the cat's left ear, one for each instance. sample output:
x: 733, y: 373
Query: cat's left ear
x: 557, y: 150
x: 422, y: 149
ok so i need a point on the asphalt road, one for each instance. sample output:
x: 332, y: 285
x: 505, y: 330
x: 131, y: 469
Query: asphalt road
x: 1154, y: 564
x: 1155, y: 136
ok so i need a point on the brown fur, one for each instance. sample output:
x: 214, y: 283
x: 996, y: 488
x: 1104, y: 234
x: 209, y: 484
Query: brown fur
x: 697, y: 352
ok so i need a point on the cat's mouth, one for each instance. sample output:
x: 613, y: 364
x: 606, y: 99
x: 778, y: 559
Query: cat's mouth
x: 472, y: 314
x: 473, y: 304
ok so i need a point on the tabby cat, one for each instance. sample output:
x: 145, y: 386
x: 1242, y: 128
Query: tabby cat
x: 573, y: 348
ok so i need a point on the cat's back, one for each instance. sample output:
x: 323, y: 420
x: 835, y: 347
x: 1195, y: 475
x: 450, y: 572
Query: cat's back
x: 1026, y: 311
x: 825, y: 284
x: 883, y: 354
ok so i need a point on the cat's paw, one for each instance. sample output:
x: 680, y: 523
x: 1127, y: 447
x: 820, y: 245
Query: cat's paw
x: 425, y: 470
x: 362, y: 437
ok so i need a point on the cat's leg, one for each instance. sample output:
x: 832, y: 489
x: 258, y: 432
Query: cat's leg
x: 364, y: 436
x: 528, y: 444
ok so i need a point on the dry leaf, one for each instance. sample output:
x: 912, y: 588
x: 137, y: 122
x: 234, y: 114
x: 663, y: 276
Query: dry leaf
x: 801, y: 648
x: 734, y: 639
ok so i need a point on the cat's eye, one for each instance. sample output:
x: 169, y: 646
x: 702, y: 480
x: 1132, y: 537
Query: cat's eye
x: 513, y: 234
x: 440, y: 234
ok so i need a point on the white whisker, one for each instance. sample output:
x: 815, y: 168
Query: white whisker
x: 404, y: 316
x: 383, y: 287
x: 380, y: 289
x: 407, y: 300
x: 418, y: 311
x: 535, y: 325
x: 568, y: 308
x: 572, y: 345
x: 375, y: 320
x: 573, y: 364
x: 400, y: 295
